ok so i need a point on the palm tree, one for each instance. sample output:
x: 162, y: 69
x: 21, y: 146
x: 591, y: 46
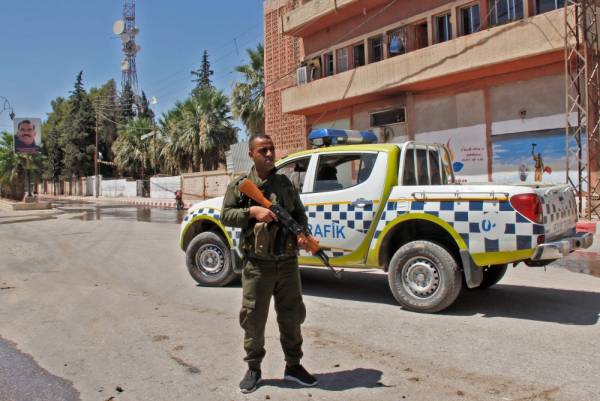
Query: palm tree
x: 131, y: 153
x: 14, y: 166
x: 247, y: 98
x: 198, y: 130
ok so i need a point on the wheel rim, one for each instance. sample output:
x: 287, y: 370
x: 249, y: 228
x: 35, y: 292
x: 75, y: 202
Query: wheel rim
x: 421, y: 277
x: 210, y: 259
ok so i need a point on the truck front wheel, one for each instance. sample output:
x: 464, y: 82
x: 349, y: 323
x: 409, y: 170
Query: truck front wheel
x: 424, y: 277
x: 208, y: 260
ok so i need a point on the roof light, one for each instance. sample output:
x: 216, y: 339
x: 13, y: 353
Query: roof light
x: 331, y: 136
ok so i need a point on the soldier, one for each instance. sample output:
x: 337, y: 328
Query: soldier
x: 271, y: 265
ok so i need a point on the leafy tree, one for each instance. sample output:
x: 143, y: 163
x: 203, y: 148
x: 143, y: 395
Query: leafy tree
x: 202, y: 74
x: 106, y: 105
x: 51, y: 132
x: 247, y: 98
x: 14, y: 167
x: 77, y: 139
x: 127, y: 103
x: 145, y: 110
x: 199, y: 130
x: 131, y: 150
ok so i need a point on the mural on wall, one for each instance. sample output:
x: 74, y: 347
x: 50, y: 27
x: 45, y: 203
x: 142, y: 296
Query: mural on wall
x: 537, y: 157
x: 468, y: 152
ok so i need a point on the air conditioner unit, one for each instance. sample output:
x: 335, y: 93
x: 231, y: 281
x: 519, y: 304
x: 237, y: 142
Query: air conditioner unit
x: 392, y: 133
x: 302, y: 76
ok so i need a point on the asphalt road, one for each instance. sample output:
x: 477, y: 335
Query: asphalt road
x: 104, y: 307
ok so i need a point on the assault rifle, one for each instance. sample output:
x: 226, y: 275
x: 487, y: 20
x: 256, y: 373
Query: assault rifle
x: 248, y: 188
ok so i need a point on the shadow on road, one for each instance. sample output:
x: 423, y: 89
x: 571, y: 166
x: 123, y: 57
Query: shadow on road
x: 336, y: 381
x: 512, y: 301
x: 531, y: 303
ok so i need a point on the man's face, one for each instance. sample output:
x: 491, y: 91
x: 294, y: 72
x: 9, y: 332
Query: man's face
x: 26, y: 134
x: 263, y: 154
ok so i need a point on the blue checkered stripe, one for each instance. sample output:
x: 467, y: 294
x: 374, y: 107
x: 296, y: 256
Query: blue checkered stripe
x: 344, y: 214
x: 234, y: 232
x: 466, y: 217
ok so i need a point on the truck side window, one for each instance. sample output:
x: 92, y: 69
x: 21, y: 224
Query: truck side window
x: 295, y: 171
x: 409, y: 168
x: 335, y: 172
x: 434, y: 167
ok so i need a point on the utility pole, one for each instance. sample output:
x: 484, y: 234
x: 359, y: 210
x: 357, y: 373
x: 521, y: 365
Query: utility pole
x: 96, y: 182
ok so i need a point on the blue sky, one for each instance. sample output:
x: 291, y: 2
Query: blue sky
x: 45, y: 43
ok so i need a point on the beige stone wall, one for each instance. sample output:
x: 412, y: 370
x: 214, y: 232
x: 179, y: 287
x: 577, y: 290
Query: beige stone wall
x: 447, y: 112
x: 538, y: 97
x: 204, y: 185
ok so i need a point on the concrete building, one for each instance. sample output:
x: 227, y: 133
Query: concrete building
x: 485, y: 77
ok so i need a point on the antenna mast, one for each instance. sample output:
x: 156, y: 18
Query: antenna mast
x: 127, y: 30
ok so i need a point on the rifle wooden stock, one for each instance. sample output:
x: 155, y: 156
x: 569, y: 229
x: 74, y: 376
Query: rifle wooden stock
x: 250, y: 189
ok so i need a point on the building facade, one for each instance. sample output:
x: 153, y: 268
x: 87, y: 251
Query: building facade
x: 484, y: 77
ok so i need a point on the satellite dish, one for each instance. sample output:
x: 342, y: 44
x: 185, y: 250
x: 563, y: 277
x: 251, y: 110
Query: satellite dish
x: 134, y: 31
x: 125, y: 37
x: 124, y: 65
x: 118, y: 27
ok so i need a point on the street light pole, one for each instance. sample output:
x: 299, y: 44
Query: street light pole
x: 96, y: 183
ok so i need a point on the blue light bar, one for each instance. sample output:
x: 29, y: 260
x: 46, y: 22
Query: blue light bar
x: 332, y: 136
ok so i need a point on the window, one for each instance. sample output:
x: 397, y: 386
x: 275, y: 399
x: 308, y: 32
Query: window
x: 358, y: 55
x: 428, y: 169
x: 388, y: 117
x: 375, y: 49
x: 295, y: 170
x: 503, y: 11
x: 443, y: 31
x: 541, y: 6
x: 469, y: 19
x: 342, y: 59
x: 328, y: 64
x: 336, y: 172
x: 397, y: 42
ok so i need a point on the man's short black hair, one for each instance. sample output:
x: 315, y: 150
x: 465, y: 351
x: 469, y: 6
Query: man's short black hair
x: 24, y: 122
x: 253, y: 137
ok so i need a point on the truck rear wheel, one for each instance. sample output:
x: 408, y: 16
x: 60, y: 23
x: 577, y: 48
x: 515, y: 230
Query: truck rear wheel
x: 492, y: 275
x: 208, y: 260
x: 424, y: 277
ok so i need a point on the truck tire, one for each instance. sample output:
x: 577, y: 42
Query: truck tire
x: 208, y: 260
x: 424, y: 277
x: 492, y: 274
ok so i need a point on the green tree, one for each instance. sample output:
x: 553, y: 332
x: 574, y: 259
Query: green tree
x: 106, y: 106
x: 202, y: 75
x: 51, y: 132
x: 78, y: 136
x: 127, y: 103
x: 132, y: 153
x: 247, y: 97
x: 14, y: 167
x: 199, y: 131
x: 145, y: 110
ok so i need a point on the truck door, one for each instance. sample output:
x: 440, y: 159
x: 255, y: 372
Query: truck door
x: 342, y: 197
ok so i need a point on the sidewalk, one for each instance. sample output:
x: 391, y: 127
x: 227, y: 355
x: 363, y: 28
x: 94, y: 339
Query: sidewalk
x: 138, y: 201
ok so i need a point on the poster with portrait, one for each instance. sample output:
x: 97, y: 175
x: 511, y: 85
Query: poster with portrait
x: 27, y: 135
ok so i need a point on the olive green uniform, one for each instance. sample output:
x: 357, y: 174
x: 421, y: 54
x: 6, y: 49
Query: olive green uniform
x: 271, y: 268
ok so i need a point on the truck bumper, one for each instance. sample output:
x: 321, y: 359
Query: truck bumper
x: 562, y: 247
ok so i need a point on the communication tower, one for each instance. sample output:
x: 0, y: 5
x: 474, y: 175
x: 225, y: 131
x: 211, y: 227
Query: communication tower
x: 127, y: 31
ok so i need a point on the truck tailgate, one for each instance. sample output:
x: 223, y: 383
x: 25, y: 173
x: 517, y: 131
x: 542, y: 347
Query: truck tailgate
x: 560, y: 210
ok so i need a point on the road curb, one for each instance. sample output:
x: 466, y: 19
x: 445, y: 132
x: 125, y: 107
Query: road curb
x: 129, y: 201
x: 588, y: 226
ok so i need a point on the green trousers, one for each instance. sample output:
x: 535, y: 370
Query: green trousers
x: 260, y: 281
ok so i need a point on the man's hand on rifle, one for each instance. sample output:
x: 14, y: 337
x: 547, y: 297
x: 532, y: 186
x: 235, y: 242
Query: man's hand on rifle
x: 302, y: 243
x: 262, y: 214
